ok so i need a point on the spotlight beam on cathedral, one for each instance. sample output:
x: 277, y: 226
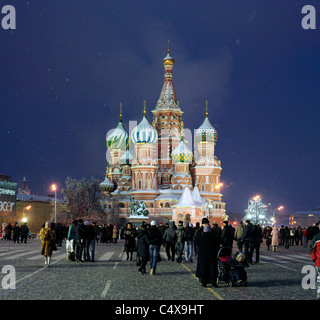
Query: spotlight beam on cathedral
x: 157, y: 165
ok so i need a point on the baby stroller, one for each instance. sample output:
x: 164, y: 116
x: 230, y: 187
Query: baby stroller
x: 225, y: 266
x: 239, y: 272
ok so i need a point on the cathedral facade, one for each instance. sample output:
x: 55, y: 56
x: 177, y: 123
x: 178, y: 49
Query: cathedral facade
x: 154, y: 164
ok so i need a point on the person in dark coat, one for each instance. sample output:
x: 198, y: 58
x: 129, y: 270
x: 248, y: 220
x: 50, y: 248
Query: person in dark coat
x: 181, y: 237
x: 256, y: 240
x: 24, y: 232
x: 170, y: 240
x: 155, y: 241
x: 80, y: 237
x: 90, y: 242
x: 129, y: 235
x: 227, y: 235
x: 103, y: 234
x: 195, y: 228
x: 143, y: 247
x: 207, y: 269
x: 246, y: 238
x: 216, y: 230
x: 16, y: 233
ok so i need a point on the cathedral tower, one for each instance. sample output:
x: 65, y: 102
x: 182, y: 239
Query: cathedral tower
x: 167, y: 118
x: 117, y: 143
x: 145, y: 164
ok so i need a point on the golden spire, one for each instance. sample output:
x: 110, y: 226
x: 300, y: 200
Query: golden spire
x: 207, y: 108
x: 144, y: 107
x: 120, y: 111
x: 182, y: 130
x: 168, y: 60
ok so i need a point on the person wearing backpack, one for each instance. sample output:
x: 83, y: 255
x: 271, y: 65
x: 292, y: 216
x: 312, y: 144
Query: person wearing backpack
x: 181, y: 238
x: 169, y: 238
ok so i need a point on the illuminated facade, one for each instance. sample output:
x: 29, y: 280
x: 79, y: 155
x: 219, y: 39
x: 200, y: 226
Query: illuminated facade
x: 155, y: 164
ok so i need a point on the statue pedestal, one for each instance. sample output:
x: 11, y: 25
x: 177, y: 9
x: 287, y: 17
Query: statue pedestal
x: 137, y: 220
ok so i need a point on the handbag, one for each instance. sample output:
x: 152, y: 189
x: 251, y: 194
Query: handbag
x: 69, y: 245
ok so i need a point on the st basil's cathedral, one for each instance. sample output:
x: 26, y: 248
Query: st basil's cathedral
x: 154, y: 165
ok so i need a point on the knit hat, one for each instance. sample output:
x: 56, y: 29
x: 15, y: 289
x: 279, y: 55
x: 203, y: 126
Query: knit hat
x: 153, y: 223
x: 205, y: 221
x: 86, y: 223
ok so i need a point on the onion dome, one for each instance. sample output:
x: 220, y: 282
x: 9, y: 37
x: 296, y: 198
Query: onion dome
x: 182, y: 153
x: 119, y: 138
x: 168, y: 60
x: 106, y: 186
x: 206, y: 132
x: 126, y: 158
x: 144, y: 132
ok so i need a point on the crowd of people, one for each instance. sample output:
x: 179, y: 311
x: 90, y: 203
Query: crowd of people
x: 17, y: 233
x: 202, y: 241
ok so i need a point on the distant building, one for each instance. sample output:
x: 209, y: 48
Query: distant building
x: 304, y: 218
x: 22, y: 206
x: 41, y: 209
x: 8, y: 193
x: 24, y: 186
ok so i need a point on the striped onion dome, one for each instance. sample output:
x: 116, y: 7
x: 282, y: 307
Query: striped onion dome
x: 144, y: 132
x: 106, y: 186
x: 182, y: 153
x: 119, y: 138
x: 206, y: 132
x: 126, y: 158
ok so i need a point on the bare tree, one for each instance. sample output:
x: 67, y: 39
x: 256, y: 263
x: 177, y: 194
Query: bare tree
x: 82, y: 200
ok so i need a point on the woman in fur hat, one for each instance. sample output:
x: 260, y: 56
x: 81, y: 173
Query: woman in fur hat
x: 47, y: 237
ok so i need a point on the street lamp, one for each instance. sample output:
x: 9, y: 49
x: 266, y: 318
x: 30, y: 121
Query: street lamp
x: 24, y: 219
x: 54, y: 188
x: 209, y: 207
x: 279, y: 208
x: 218, y: 186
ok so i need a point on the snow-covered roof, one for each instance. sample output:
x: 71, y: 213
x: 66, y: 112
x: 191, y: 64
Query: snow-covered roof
x: 186, y: 199
x: 197, y: 197
x: 32, y: 197
x: 167, y: 196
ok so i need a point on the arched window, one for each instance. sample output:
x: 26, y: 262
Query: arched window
x: 167, y: 205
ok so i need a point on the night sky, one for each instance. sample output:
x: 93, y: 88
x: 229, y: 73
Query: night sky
x: 69, y: 64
